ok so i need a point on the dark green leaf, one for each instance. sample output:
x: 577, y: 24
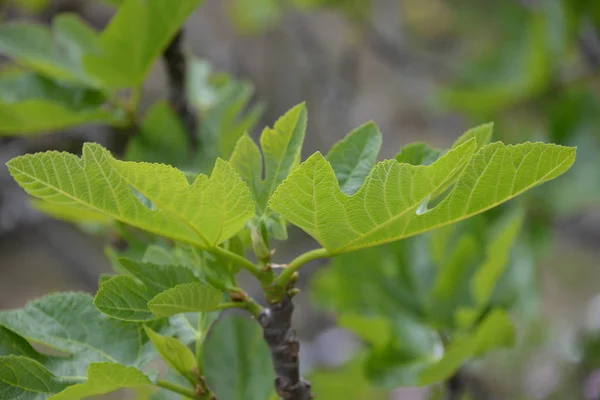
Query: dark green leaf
x: 353, y: 157
x: 237, y: 360
x: 162, y: 138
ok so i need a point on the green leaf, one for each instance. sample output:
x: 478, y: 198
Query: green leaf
x: 418, y: 154
x: 162, y: 138
x: 187, y: 297
x: 127, y: 297
x: 70, y: 214
x: 392, y: 203
x: 450, y: 290
x: 485, y: 279
x: 353, y: 157
x: 176, y: 354
x: 55, y: 105
x: 481, y: 133
x: 495, y: 331
x: 123, y: 298
x: 414, y: 347
x: 70, y: 323
x: 135, y: 38
x: 225, y: 114
x: 205, y: 213
x: 281, y: 146
x: 57, y: 54
x: 22, y: 378
x: 104, y: 378
x: 247, y: 161
x: 377, y: 331
x: 237, y: 360
x: 256, y: 17
x: 345, y: 383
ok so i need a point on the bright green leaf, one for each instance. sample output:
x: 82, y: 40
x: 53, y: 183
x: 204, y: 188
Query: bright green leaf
x: 104, y: 378
x: 176, y: 354
x: 187, y: 297
x: 237, y: 360
x: 481, y: 133
x: 353, y: 157
x: 206, y: 213
x: 135, y: 38
x: 281, y: 146
x: 70, y: 214
x: 392, y: 203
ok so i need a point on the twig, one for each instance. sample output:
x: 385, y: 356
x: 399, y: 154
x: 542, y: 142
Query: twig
x: 276, y: 321
x: 175, y: 63
x: 455, y: 386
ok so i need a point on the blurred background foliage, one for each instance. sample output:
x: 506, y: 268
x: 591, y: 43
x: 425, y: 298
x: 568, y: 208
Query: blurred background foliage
x: 423, y: 70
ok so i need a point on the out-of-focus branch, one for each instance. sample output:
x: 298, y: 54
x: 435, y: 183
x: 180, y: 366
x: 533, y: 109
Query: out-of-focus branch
x: 589, y: 45
x: 175, y: 62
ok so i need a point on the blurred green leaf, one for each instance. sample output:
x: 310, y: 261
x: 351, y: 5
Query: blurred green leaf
x: 237, y: 360
x: 495, y: 331
x: 225, y: 113
x: 162, y: 138
x: 58, y: 54
x: 135, y: 38
x: 255, y: 17
x: 413, y: 348
x: 54, y: 105
x: 345, y: 383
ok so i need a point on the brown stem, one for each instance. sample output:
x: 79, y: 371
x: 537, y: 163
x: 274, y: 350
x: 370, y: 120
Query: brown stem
x: 276, y: 321
x: 176, y: 66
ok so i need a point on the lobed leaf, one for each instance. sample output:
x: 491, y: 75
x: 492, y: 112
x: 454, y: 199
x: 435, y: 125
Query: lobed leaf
x: 392, y: 203
x: 205, y: 213
x: 281, y: 146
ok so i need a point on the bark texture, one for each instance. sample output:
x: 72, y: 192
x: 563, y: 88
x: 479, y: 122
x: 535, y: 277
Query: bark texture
x: 276, y: 321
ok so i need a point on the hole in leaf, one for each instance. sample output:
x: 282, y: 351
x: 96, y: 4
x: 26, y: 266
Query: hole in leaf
x: 143, y: 199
